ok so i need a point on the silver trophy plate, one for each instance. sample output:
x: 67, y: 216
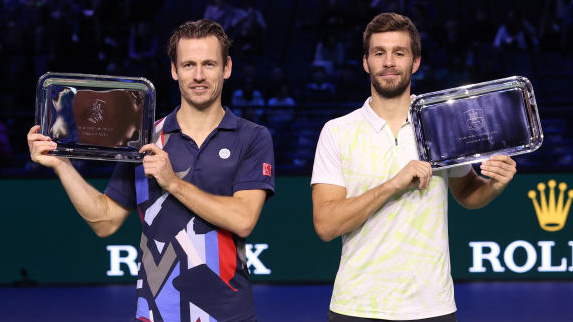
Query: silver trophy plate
x: 96, y: 117
x: 468, y: 124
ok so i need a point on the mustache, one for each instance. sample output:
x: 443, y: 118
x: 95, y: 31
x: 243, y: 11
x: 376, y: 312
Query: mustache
x: 389, y: 71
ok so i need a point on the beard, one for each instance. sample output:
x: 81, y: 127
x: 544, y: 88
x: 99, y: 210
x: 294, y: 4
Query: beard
x: 391, y: 90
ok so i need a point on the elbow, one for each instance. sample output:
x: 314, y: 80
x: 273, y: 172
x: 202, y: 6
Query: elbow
x: 103, y: 234
x: 103, y: 229
x: 472, y: 206
x: 324, y: 233
x: 465, y: 204
x: 244, y: 232
x: 469, y: 203
x: 245, y: 228
x: 325, y: 237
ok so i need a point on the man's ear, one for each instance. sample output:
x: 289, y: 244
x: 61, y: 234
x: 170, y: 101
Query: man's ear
x: 228, y: 68
x: 174, y: 72
x: 365, y: 64
x: 416, y: 64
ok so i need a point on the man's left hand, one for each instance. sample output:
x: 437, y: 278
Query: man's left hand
x: 500, y: 169
x: 156, y: 165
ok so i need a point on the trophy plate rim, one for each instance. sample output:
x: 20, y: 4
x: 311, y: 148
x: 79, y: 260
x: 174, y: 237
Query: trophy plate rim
x: 98, y: 83
x: 469, y: 92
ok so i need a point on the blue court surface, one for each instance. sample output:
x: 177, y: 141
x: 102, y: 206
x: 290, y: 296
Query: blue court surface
x: 539, y: 301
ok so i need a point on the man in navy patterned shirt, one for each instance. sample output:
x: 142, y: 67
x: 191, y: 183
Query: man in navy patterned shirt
x: 199, y: 191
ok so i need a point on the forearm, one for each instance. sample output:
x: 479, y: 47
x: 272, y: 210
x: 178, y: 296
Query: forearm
x: 91, y: 204
x: 335, y: 214
x: 334, y: 218
x: 238, y: 213
x: 478, y: 194
x: 473, y: 191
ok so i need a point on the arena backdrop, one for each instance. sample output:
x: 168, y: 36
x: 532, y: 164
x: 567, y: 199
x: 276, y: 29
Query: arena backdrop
x: 523, y: 234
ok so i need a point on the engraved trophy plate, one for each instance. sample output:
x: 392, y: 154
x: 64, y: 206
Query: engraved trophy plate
x: 468, y: 124
x: 96, y: 117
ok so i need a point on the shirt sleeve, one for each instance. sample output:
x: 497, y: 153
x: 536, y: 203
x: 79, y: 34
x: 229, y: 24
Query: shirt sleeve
x: 257, y: 168
x: 459, y: 171
x: 327, y: 160
x: 121, y: 185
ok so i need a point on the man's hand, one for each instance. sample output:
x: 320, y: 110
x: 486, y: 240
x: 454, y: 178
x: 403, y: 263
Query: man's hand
x: 415, y: 173
x: 501, y: 169
x: 156, y: 165
x: 40, y: 145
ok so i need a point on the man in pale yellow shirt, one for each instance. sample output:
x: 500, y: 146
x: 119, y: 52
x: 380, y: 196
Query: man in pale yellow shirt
x: 390, y: 208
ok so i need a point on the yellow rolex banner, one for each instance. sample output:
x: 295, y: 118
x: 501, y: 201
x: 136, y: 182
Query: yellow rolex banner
x: 523, y: 234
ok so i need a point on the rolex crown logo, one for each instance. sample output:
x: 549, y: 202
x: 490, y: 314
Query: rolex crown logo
x: 552, y: 214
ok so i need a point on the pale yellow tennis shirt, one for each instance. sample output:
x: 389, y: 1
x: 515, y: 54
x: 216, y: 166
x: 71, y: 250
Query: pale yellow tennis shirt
x: 396, y: 265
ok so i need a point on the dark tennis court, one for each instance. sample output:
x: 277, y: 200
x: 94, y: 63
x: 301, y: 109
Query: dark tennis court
x: 477, y: 302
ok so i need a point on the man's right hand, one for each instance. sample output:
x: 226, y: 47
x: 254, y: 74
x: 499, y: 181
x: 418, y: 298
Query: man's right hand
x: 39, y: 146
x: 416, y: 174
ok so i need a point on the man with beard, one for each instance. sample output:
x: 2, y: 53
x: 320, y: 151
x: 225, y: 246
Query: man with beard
x: 390, y: 208
x: 199, y: 191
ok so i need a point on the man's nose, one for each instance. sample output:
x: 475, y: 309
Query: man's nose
x: 199, y: 73
x: 388, y: 60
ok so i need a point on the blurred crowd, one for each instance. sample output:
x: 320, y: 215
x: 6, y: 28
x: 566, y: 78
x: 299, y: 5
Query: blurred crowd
x: 296, y: 63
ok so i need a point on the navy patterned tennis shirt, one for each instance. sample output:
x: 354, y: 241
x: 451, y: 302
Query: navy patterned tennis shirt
x: 189, y: 269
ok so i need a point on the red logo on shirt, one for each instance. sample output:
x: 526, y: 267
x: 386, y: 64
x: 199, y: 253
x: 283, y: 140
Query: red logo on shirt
x: 267, y: 169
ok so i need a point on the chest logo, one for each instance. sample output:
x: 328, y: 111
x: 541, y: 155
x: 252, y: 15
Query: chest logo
x: 224, y: 153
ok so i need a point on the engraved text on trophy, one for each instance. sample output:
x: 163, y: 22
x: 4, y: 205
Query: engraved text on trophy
x: 475, y: 122
x: 108, y: 118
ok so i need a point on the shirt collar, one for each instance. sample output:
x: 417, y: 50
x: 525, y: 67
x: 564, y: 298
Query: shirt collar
x: 229, y: 121
x: 375, y: 121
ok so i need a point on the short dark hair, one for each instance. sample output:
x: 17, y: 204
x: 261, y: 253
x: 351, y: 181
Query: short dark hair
x: 199, y: 29
x: 390, y: 21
